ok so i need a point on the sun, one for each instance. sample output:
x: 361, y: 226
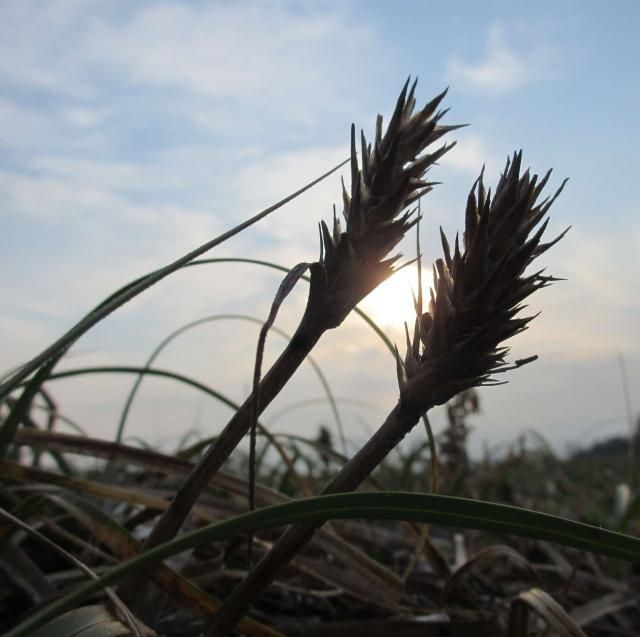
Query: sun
x: 391, y: 303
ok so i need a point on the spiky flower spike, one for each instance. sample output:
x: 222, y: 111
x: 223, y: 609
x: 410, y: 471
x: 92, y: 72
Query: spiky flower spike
x: 352, y: 263
x: 457, y: 343
x: 479, y: 292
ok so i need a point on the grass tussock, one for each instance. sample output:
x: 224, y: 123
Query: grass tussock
x: 520, y: 543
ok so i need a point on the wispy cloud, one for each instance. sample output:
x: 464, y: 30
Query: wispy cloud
x: 594, y: 313
x: 470, y: 154
x: 267, y: 54
x: 225, y: 49
x: 505, y: 68
x: 132, y: 133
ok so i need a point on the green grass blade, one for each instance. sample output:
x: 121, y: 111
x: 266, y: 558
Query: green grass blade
x: 425, y: 508
x: 132, y: 289
x: 220, y: 317
x: 23, y: 404
x: 433, y: 452
x: 83, y: 371
x: 152, y: 372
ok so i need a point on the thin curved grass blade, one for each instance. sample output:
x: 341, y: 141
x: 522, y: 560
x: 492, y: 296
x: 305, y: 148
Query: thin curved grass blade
x: 488, y: 554
x: 122, y: 543
x: 288, y: 283
x: 219, y: 317
x: 83, y: 371
x: 363, y: 315
x: 22, y: 405
x: 426, y: 508
x: 343, y: 551
x: 134, y: 627
x: 602, y: 606
x: 554, y: 615
x: 132, y: 289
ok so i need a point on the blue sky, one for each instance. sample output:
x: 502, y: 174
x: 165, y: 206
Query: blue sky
x: 132, y: 132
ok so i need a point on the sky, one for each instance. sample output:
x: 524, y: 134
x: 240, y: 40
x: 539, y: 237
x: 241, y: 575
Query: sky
x: 130, y: 133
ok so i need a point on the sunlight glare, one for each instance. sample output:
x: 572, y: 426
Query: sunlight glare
x: 391, y: 303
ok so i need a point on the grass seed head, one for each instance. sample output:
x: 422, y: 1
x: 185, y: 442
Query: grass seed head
x: 478, y: 292
x: 354, y: 261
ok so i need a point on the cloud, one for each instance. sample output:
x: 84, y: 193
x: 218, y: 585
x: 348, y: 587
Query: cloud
x: 88, y: 232
x: 592, y: 314
x: 469, y: 155
x: 185, y: 53
x: 222, y: 50
x: 504, y: 68
x: 130, y: 133
x: 268, y: 178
